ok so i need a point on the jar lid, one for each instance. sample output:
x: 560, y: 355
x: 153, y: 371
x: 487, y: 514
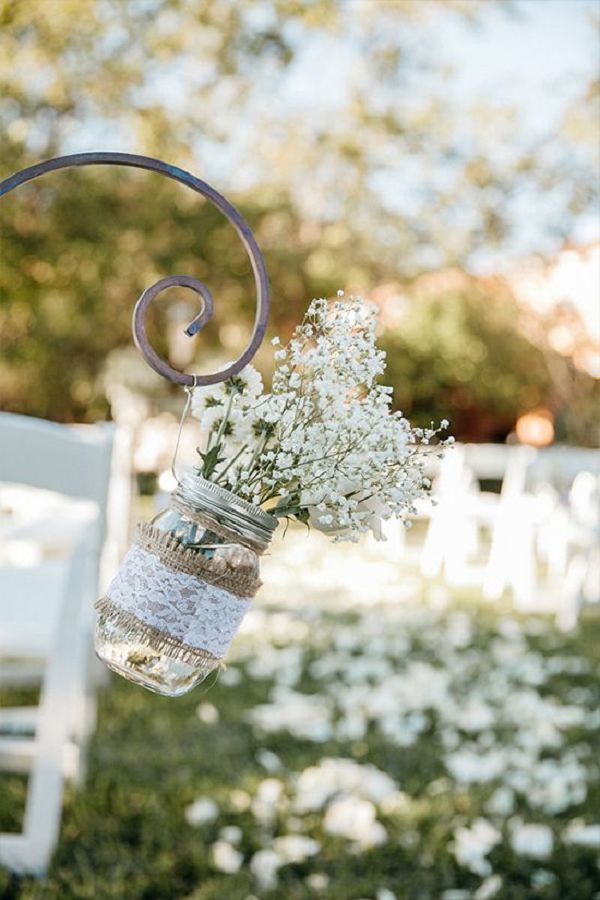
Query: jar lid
x: 230, y: 509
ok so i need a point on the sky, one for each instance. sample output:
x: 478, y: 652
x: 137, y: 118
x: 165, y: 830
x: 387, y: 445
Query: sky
x: 533, y: 55
x: 536, y: 57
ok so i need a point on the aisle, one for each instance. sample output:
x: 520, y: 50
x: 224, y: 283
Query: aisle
x: 372, y: 738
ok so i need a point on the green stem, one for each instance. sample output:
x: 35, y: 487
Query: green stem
x: 232, y: 461
x: 209, y: 440
x: 225, y: 419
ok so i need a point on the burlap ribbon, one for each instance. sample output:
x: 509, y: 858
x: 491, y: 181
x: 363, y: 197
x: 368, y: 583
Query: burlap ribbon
x: 178, y: 600
x: 241, y: 581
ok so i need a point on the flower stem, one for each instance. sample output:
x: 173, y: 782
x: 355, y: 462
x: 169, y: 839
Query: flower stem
x: 231, y: 462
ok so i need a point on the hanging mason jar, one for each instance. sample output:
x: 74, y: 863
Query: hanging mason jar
x: 170, y: 613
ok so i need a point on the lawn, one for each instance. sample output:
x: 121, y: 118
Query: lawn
x: 373, y: 737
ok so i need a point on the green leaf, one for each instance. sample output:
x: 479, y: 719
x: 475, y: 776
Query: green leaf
x: 210, y: 460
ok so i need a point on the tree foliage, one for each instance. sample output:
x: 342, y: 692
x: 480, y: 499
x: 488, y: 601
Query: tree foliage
x: 370, y: 173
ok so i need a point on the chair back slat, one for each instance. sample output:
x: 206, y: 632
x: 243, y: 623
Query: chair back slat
x: 74, y: 460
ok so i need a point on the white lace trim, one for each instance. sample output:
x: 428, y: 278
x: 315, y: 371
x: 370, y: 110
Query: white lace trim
x: 179, y: 605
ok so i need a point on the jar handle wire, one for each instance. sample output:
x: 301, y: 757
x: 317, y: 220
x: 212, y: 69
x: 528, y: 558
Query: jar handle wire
x: 186, y: 408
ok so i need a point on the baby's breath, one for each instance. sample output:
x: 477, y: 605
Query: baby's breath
x: 323, y: 446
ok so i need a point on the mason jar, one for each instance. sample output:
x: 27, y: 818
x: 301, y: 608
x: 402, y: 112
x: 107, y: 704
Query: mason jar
x: 178, y: 599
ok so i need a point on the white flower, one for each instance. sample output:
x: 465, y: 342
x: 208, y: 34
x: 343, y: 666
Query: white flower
x: 501, y: 803
x: 230, y: 676
x: 472, y: 845
x: 531, y: 840
x: 284, y: 460
x: 318, y: 881
x: 395, y: 803
x: 231, y: 833
x: 212, y: 417
x: 240, y: 800
x: 294, y: 848
x: 325, y: 430
x: 577, y: 832
x: 334, y: 777
x: 251, y: 382
x: 468, y: 766
x: 476, y: 716
x: 363, y: 673
x: 488, y: 888
x: 371, y: 510
x: 353, y: 818
x: 201, y: 811
x: 303, y: 715
x: 204, y: 398
x: 555, y: 785
x: 207, y: 713
x: 226, y: 858
x: 264, y: 865
x: 267, y: 800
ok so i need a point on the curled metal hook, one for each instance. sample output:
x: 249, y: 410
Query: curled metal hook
x: 141, y: 307
x: 139, y: 321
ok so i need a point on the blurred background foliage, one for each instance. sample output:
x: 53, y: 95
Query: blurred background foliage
x: 390, y: 190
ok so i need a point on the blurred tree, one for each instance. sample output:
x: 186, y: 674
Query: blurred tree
x: 77, y: 250
x: 463, y: 347
x: 370, y: 184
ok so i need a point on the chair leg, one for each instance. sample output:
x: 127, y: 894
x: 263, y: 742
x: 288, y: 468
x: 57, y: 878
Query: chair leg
x: 31, y: 851
x: 432, y: 554
x: 496, y: 571
x: 522, y: 569
x: 568, y: 614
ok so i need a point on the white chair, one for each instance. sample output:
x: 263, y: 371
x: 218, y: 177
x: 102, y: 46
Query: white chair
x: 512, y: 562
x: 550, y: 515
x: 46, y: 617
x: 50, y: 751
x: 564, y: 472
x: 582, y: 577
x: 448, y: 535
x: 464, y: 510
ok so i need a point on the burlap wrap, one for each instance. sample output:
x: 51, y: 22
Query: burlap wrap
x: 177, y: 600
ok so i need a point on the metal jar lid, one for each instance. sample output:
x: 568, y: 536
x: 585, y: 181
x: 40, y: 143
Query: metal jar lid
x: 229, y: 509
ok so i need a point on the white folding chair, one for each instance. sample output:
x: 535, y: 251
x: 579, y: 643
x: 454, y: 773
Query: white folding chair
x: 563, y: 472
x: 541, y: 521
x: 512, y: 561
x: 463, y: 509
x: 582, y: 577
x: 446, y: 537
x: 45, y: 623
x: 50, y: 751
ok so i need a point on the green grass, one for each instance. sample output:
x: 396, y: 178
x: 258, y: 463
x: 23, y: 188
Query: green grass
x: 124, y: 835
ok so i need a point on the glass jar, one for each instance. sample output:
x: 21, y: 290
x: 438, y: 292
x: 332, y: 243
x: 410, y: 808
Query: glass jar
x: 173, y: 608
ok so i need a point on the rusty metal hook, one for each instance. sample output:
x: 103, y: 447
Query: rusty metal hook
x: 141, y: 307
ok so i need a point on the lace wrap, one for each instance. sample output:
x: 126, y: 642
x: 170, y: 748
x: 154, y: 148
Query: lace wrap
x: 174, y: 593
